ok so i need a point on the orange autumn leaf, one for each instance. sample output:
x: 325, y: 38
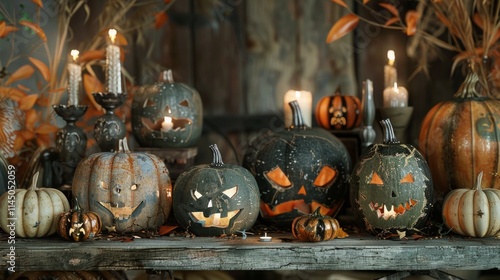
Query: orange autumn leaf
x: 27, y: 134
x: 43, y: 101
x: 21, y: 73
x: 23, y: 88
x: 340, y: 2
x: 19, y: 142
x: 411, y: 22
x: 478, y: 20
x: 12, y: 93
x: 164, y: 230
x: 90, y: 85
x: 342, y: 27
x: 390, y: 8
x: 38, y: 3
x: 42, y: 67
x: 92, y: 55
x: 35, y: 27
x: 446, y: 23
x: 46, y: 128
x: 121, y: 40
x: 6, y: 29
x: 391, y: 21
x: 43, y: 140
x: 30, y: 119
x: 27, y: 102
x: 160, y: 19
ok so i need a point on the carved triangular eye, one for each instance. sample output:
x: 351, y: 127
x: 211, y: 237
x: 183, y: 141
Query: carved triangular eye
x: 196, y: 195
x: 278, y: 177
x: 325, y: 176
x: 408, y: 178
x: 184, y: 103
x: 376, y: 180
x: 231, y: 192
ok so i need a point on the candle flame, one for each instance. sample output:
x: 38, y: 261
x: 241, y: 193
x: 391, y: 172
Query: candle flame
x: 396, y: 89
x: 74, y: 54
x: 112, y: 35
x: 391, y: 55
x: 167, y: 119
x: 297, y: 94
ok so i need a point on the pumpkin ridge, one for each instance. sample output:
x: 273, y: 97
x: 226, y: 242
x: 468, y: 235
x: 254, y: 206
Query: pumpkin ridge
x: 497, y: 150
x: 43, y: 210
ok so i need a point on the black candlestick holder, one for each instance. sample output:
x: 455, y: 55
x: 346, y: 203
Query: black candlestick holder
x: 71, y: 140
x: 109, y: 128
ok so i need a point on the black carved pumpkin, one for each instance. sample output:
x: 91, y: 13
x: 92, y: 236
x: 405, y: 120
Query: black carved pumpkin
x: 216, y: 199
x: 298, y: 170
x: 391, y: 186
x: 178, y: 102
x: 130, y: 191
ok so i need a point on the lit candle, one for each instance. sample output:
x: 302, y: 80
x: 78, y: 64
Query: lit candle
x: 167, y: 124
x: 390, y: 72
x: 304, y: 98
x: 75, y: 76
x: 395, y: 96
x: 113, y: 65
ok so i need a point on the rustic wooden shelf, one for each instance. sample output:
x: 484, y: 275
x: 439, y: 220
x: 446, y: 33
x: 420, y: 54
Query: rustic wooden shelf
x: 357, y: 252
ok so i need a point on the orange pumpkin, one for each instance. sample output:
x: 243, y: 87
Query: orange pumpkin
x: 338, y: 111
x: 460, y: 138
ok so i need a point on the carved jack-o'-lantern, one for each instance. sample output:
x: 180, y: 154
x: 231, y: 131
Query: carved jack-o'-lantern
x: 391, y: 186
x: 338, y: 111
x: 298, y: 170
x: 130, y: 191
x: 167, y: 114
x: 217, y: 198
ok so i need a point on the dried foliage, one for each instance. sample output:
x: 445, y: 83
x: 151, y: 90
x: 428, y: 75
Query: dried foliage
x: 471, y: 28
x: 44, y: 65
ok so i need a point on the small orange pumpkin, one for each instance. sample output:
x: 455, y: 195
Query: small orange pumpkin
x: 338, y: 112
x: 316, y: 227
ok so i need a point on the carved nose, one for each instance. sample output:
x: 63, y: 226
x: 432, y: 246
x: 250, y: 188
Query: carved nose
x: 302, y: 191
x: 393, y: 194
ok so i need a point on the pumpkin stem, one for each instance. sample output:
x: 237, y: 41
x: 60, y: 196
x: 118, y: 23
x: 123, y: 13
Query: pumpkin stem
x: 337, y: 91
x: 297, y: 120
x: 34, y: 181
x: 76, y: 205
x: 389, y: 136
x: 217, y: 158
x: 317, y: 212
x: 123, y: 146
x: 468, y: 88
x: 478, y: 181
x: 166, y: 76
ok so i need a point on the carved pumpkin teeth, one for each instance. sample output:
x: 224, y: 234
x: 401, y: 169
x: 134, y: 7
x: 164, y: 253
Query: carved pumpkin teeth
x: 120, y: 213
x: 383, y: 212
x: 215, y: 219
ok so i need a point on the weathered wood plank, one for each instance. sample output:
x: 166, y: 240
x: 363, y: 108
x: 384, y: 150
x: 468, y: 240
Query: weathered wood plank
x: 358, y: 252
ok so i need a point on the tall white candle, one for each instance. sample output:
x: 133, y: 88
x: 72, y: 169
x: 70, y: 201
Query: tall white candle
x: 304, y: 98
x: 113, y: 65
x: 395, y: 96
x: 75, y: 76
x: 390, y: 72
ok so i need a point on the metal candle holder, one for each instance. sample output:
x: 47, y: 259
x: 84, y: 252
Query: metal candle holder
x: 109, y: 128
x: 71, y: 140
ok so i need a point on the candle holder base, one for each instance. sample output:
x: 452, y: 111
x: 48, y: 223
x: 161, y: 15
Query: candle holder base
x: 400, y: 118
x: 109, y: 128
x: 71, y: 140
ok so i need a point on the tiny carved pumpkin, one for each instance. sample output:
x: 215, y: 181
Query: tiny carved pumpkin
x: 216, y: 199
x: 130, y: 191
x: 167, y: 114
x: 298, y: 170
x: 79, y: 225
x: 391, y: 186
x: 36, y: 210
x: 474, y: 213
x: 316, y: 227
x: 338, y: 111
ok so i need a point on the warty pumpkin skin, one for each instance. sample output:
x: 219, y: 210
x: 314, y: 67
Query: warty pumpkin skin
x: 316, y: 227
x: 79, y: 225
x: 391, y: 186
x: 473, y: 212
x: 298, y: 169
x: 216, y: 199
x: 460, y: 138
x: 338, y: 111
x: 36, y: 210
x: 130, y: 191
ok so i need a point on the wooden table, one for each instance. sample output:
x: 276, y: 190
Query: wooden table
x: 357, y: 252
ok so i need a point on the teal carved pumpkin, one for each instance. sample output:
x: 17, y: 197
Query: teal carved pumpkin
x: 391, y: 186
x: 130, y: 191
x: 167, y: 114
x: 216, y: 199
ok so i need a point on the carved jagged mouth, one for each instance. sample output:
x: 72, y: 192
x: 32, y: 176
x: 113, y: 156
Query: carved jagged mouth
x: 215, y: 219
x: 386, y: 214
x: 178, y: 124
x: 299, y: 205
x: 120, y: 213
